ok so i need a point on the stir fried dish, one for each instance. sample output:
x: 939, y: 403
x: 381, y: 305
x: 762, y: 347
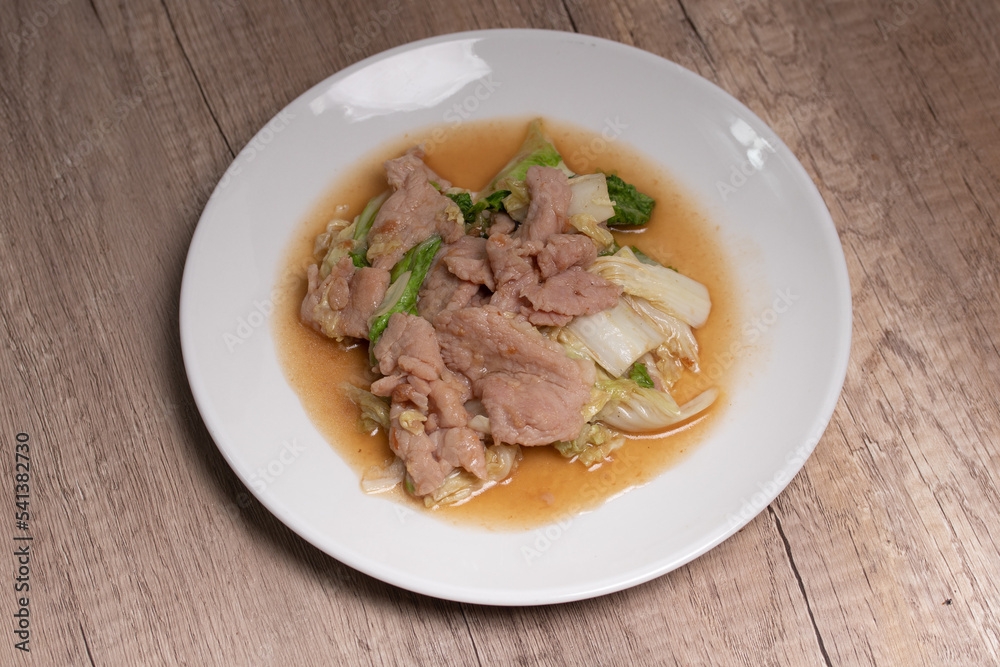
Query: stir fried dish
x: 504, y: 318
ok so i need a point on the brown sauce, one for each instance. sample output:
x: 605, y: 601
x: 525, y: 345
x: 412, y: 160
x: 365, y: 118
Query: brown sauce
x: 545, y: 487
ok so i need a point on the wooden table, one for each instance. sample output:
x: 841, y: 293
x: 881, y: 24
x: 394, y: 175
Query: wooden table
x: 119, y: 119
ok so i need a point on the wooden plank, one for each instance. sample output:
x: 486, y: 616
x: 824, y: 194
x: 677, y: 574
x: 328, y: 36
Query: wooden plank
x: 157, y: 560
x: 904, y: 480
x: 148, y: 550
x: 740, y: 605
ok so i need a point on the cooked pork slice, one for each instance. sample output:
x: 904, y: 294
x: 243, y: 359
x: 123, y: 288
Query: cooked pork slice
x: 367, y: 288
x: 413, y: 392
x: 410, y: 345
x: 527, y: 410
x: 429, y: 421
x: 552, y: 298
x: 562, y: 251
x: 510, y: 257
x: 502, y: 224
x: 573, y: 292
x: 532, y: 392
x: 509, y: 297
x: 430, y: 457
x: 409, y: 349
x: 412, y: 213
x: 513, y: 271
x: 384, y: 386
x: 550, y: 197
x: 463, y: 448
x: 341, y: 304
x: 397, y: 169
x: 419, y: 451
x: 467, y: 259
x: 543, y: 318
x: 443, y: 290
x: 447, y: 400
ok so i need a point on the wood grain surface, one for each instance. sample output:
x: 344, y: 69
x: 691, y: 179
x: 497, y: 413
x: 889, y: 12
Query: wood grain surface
x: 120, y: 117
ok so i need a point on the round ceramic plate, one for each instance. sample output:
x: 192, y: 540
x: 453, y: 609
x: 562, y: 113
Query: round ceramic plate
x: 789, y: 265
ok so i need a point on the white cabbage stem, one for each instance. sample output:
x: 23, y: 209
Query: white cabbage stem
x: 616, y: 337
x: 379, y: 480
x: 664, y: 288
x: 648, y: 410
x: 589, y: 196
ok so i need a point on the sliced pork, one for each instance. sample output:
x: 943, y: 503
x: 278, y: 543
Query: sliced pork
x: 550, y: 197
x: 467, y: 259
x: 341, y: 303
x: 563, y: 251
x: 366, y: 289
x: 573, y: 292
x: 532, y: 392
x: 443, y: 290
x: 502, y: 224
x: 412, y: 213
x: 555, y: 295
x: 428, y: 421
x: 397, y: 169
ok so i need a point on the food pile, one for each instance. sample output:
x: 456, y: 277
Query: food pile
x: 504, y: 318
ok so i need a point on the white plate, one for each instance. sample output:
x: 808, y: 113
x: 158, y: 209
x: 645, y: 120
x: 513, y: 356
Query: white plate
x: 772, y: 221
